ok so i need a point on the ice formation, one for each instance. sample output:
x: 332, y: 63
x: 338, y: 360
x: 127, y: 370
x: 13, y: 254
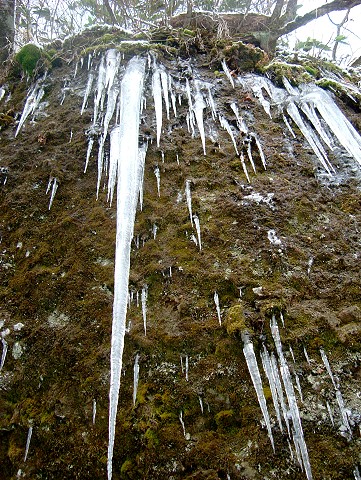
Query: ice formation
x: 94, y: 410
x: 189, y: 199
x: 52, y: 188
x: 144, y: 307
x: 32, y: 102
x: 128, y: 175
x: 198, y: 230
x: 120, y: 95
x: 257, y: 383
x: 136, y: 378
x: 298, y: 437
x: 216, y: 302
x: 28, y: 439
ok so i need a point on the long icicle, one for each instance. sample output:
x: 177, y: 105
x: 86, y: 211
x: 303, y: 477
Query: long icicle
x: 127, y: 197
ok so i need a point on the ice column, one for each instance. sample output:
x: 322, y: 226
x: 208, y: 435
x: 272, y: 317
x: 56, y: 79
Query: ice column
x: 127, y: 196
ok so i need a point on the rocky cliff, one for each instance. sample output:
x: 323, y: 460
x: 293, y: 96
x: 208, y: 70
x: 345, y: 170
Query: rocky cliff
x: 242, y: 337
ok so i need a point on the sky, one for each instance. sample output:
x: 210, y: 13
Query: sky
x: 323, y: 30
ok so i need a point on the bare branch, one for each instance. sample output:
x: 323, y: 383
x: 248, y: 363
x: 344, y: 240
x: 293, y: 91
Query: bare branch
x: 298, y: 22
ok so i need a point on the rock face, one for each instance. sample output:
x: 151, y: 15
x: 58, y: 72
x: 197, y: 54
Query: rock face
x: 280, y: 242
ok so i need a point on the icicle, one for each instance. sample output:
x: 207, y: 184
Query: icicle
x: 100, y: 89
x: 356, y: 473
x: 240, y: 122
x: 89, y: 150
x: 182, y: 423
x: 328, y: 368
x: 144, y: 307
x: 244, y: 167
x: 201, y: 404
x: 309, y: 266
x: 31, y: 103
x: 194, y: 239
x: 172, y: 96
x: 189, y: 199
x: 306, y: 355
x: 261, y: 154
x: 224, y: 123
x: 216, y: 302
x: 87, y: 92
x: 54, y: 188
x: 181, y: 361
x: 294, y: 412
x: 157, y: 176
x: 136, y: 378
x: 212, y: 104
x: 4, y: 352
x: 71, y: 136
x: 89, y: 61
x: 188, y: 90
x: 288, y: 125
x: 330, y: 413
x: 250, y: 157
x: 94, y: 410
x: 127, y: 196
x: 227, y: 72
x: 142, y: 153
x: 199, y: 106
x: 164, y: 82
x: 154, y: 230
x: 157, y: 96
x: 337, y: 122
x: 177, y: 157
x: 292, y: 355
x: 76, y: 70
x: 266, y: 363
x: 309, y: 135
x: 257, y: 383
x: 343, y: 411
x: 298, y: 386
x: 198, y: 230
x: 282, y: 320
x: 30, y: 432
x: 187, y: 366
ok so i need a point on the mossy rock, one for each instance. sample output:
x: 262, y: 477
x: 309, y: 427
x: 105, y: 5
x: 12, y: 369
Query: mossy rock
x: 28, y: 58
x: 225, y: 419
x: 235, y: 321
x: 295, y: 74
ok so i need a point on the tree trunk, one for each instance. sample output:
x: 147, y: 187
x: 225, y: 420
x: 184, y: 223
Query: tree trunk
x: 7, y: 28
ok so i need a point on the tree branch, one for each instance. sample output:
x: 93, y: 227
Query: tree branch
x: 298, y: 22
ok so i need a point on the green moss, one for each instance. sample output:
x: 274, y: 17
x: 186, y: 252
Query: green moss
x: 235, y: 321
x: 28, y: 57
x: 126, y: 468
x: 295, y: 74
x: 152, y: 438
x: 225, y: 419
